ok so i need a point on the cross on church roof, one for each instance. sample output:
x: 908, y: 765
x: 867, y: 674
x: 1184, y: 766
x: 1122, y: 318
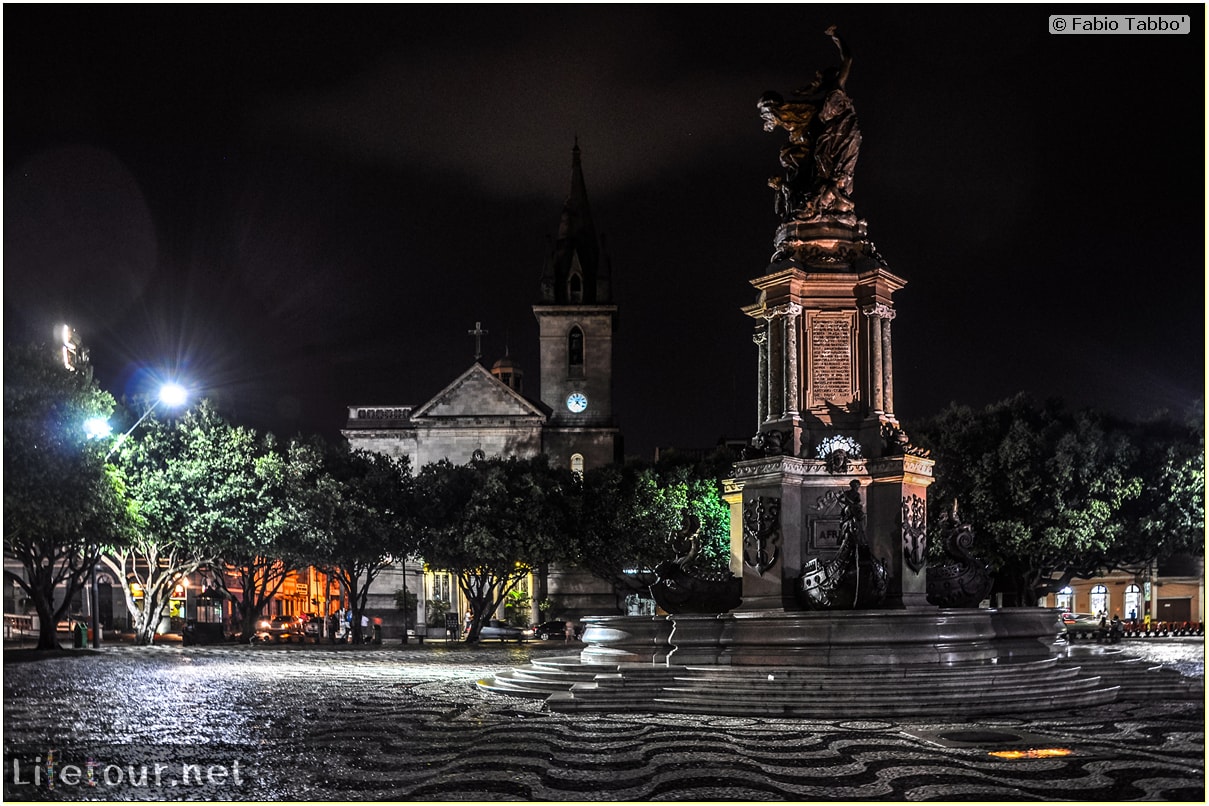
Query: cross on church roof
x: 478, y: 334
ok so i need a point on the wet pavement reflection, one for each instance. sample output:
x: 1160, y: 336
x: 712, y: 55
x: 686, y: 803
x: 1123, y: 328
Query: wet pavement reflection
x: 407, y: 723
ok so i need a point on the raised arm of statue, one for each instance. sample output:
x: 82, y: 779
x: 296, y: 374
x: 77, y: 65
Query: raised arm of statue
x: 845, y: 56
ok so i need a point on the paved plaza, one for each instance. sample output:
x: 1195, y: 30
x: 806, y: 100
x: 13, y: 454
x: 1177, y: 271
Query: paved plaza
x: 407, y: 723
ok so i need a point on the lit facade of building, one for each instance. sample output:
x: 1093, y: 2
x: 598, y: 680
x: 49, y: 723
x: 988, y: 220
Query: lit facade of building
x: 1171, y: 593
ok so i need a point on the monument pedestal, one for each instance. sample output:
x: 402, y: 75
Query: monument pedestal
x: 898, y: 506
x: 789, y: 512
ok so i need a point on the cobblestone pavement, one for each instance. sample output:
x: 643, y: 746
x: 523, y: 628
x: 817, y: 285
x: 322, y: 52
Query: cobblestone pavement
x: 407, y: 723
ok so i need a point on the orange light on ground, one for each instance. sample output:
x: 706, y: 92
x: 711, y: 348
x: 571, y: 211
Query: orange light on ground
x: 1041, y: 752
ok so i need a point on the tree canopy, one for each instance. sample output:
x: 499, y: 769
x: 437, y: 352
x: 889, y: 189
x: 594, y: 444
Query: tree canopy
x: 356, y: 509
x: 1054, y: 494
x: 190, y: 477
x: 62, y: 503
x: 493, y: 521
x: 255, y: 542
x: 629, y: 513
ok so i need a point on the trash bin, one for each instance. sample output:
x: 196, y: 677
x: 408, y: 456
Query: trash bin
x: 79, y: 636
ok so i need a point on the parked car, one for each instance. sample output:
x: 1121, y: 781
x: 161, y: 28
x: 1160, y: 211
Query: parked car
x: 556, y: 630
x: 283, y: 629
x: 504, y: 632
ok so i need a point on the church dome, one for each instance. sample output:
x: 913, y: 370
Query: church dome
x: 508, y: 372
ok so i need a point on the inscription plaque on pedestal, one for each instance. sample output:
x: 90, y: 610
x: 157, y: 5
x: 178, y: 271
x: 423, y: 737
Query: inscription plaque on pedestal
x: 831, y: 357
x: 825, y: 534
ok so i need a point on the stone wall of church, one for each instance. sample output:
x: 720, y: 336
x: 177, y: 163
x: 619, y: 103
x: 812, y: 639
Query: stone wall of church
x: 457, y: 443
x: 425, y: 444
x: 598, y: 446
x: 394, y: 442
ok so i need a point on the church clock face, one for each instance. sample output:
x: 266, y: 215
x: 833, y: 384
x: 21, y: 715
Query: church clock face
x: 577, y: 402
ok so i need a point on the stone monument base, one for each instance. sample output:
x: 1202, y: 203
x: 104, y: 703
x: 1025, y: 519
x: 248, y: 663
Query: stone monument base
x: 875, y: 663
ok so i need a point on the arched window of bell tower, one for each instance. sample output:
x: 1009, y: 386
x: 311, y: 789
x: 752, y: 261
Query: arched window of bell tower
x: 575, y: 351
x: 575, y: 289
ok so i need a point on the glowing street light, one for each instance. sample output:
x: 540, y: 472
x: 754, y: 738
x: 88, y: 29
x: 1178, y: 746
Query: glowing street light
x: 171, y: 394
x: 97, y: 428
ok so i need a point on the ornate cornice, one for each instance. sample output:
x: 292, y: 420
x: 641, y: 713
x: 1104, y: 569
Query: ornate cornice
x: 917, y: 465
x: 791, y: 466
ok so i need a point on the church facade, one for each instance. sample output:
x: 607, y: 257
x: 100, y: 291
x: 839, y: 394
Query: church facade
x: 485, y: 413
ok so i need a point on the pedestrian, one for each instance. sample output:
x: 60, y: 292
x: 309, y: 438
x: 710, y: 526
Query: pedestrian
x: 466, y: 628
x: 365, y: 636
x: 1133, y: 615
x: 333, y: 624
x: 568, y: 631
x: 1146, y: 622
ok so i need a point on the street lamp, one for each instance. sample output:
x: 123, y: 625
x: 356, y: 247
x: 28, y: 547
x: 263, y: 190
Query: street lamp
x: 171, y: 394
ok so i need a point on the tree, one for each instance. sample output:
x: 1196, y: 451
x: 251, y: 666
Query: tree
x: 492, y: 522
x: 1055, y: 495
x: 517, y: 607
x: 624, y: 525
x: 356, y: 507
x: 698, y: 484
x: 629, y: 512
x: 190, y: 479
x: 62, y: 503
x: 1167, y: 519
x: 257, y: 545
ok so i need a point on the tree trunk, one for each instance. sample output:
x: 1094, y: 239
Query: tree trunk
x: 355, y: 607
x: 48, y: 627
x: 247, y: 623
x: 146, y: 621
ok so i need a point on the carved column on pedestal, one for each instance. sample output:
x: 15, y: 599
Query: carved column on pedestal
x: 760, y: 337
x: 887, y: 364
x: 874, y: 312
x: 776, y: 363
x: 792, y: 378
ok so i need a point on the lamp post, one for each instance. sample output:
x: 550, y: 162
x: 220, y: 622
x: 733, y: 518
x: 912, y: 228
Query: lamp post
x: 171, y: 394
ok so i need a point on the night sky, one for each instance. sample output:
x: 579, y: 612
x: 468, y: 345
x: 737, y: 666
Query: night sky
x: 298, y: 208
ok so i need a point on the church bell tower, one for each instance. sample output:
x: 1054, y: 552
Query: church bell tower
x: 576, y: 320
